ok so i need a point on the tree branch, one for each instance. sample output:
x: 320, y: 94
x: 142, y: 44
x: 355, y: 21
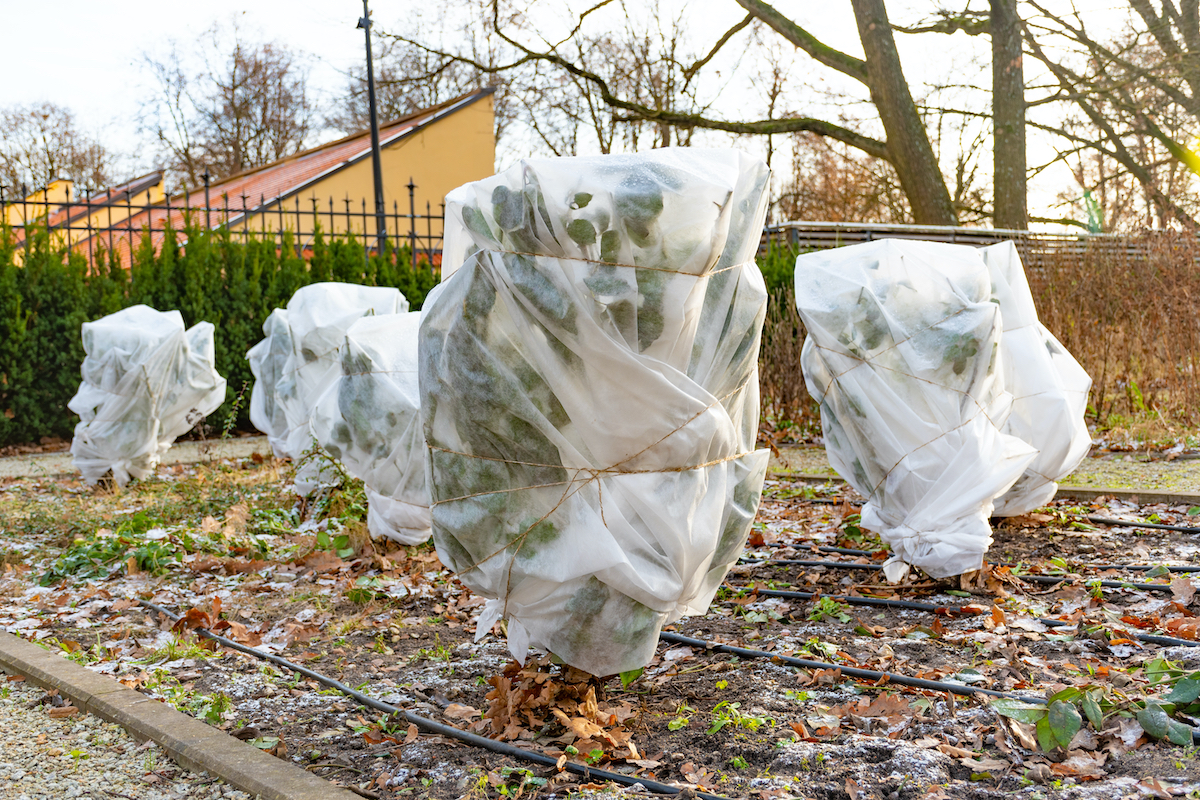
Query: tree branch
x: 638, y: 111
x: 972, y: 23
x: 843, y: 62
x: 1120, y: 151
x: 729, y: 34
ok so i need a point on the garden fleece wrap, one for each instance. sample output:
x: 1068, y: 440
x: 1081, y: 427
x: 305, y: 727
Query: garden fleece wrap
x: 369, y: 420
x: 146, y: 381
x: 300, y: 359
x: 906, y: 355
x: 589, y: 393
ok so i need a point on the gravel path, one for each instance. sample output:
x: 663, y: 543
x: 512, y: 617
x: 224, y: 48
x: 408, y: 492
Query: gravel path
x: 48, y: 465
x: 83, y: 756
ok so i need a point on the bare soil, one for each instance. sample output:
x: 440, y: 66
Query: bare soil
x: 238, y: 554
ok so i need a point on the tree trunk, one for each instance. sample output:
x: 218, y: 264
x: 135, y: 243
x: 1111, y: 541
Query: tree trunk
x: 907, y: 141
x: 1008, y: 117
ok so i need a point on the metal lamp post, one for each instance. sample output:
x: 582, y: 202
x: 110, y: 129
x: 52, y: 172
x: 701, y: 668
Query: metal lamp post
x: 376, y: 164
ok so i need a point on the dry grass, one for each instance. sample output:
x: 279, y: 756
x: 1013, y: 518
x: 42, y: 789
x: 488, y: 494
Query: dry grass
x: 787, y: 407
x: 1131, y: 316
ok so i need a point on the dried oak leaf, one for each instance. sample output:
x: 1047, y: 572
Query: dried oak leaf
x: 193, y: 618
x: 1082, y: 765
x: 460, y: 711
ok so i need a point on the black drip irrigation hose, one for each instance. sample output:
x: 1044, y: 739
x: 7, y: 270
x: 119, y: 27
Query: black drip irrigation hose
x: 856, y: 600
x: 872, y: 675
x: 863, y: 674
x: 1046, y: 579
x: 912, y: 605
x: 582, y: 770
x: 1182, y: 569
x: 1054, y: 579
x: 1133, y: 524
x: 432, y: 726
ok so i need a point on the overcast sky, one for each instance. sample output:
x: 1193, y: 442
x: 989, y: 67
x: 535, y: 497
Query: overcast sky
x: 86, y: 54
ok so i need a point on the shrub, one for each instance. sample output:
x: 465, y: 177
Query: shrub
x: 230, y: 280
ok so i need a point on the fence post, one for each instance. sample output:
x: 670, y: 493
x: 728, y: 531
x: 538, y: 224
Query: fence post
x: 366, y: 240
x: 429, y: 235
x: 245, y: 221
x: 412, y: 224
x: 129, y: 224
x: 87, y: 197
x: 66, y: 218
x: 207, y: 203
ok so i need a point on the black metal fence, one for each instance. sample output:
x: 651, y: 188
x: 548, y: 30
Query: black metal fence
x: 115, y: 221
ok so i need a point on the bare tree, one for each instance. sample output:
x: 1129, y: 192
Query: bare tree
x: 1137, y: 96
x: 248, y: 105
x: 407, y: 79
x: 833, y: 182
x: 41, y: 142
x: 907, y: 146
x: 643, y: 57
x: 1002, y: 23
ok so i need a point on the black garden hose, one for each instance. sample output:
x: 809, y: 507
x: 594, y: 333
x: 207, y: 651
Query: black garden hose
x: 1046, y: 579
x: 883, y: 602
x: 874, y: 676
x: 1135, y: 524
x: 441, y: 729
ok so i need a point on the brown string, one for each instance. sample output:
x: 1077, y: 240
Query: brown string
x: 575, y: 484
x: 871, y: 363
x: 620, y: 265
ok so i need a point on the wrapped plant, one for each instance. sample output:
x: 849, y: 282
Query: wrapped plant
x: 590, y: 397
x: 369, y: 420
x: 904, y: 356
x: 146, y: 381
x: 302, y: 356
x: 267, y: 361
x: 1049, y: 388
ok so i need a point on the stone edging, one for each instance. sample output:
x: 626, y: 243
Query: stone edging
x: 193, y: 744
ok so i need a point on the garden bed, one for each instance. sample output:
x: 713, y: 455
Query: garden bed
x: 225, y: 541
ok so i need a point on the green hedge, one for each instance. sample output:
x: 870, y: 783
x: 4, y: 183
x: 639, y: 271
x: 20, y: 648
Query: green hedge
x: 218, y: 277
x: 234, y: 284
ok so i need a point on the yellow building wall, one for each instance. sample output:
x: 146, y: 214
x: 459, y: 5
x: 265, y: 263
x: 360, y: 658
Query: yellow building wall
x: 457, y: 149
x: 102, y: 218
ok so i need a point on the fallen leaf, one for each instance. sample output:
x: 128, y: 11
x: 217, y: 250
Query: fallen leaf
x: 852, y: 789
x: 192, y: 619
x: 1080, y: 764
x: 955, y: 752
x: 459, y: 711
x: 322, y: 561
x: 983, y: 765
x: 62, y: 711
x: 1024, y: 733
x: 1183, y: 589
x: 1155, y: 787
x: 1183, y: 627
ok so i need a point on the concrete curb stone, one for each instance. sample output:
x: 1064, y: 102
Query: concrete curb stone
x: 190, y: 742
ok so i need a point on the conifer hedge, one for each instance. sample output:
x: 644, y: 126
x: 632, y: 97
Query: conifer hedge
x: 218, y: 277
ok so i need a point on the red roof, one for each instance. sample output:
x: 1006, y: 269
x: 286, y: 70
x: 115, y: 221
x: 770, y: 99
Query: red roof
x: 261, y: 188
